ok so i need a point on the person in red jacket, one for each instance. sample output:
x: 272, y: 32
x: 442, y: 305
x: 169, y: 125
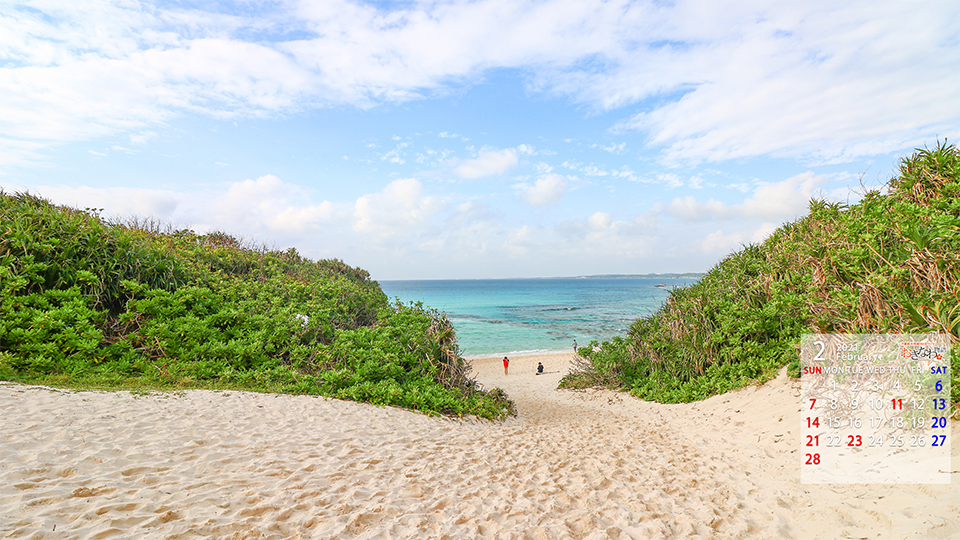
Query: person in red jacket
x: 506, y: 364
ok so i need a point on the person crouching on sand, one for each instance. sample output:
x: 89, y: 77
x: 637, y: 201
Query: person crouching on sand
x: 506, y: 365
x: 539, y: 368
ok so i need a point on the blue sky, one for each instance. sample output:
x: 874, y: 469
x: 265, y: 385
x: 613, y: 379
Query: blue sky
x: 482, y: 139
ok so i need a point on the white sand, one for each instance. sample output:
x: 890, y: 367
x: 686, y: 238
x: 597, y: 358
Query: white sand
x: 590, y: 464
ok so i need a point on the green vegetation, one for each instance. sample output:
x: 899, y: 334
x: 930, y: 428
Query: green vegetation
x: 889, y: 264
x: 89, y: 303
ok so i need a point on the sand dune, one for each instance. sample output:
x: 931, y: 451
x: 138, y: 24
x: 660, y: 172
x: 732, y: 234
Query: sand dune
x: 590, y: 464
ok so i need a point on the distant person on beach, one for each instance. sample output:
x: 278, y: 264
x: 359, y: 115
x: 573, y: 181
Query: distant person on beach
x: 539, y: 368
x: 506, y: 364
x: 574, y: 346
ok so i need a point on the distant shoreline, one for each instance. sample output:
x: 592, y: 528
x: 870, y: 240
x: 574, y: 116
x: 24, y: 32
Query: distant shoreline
x: 691, y: 275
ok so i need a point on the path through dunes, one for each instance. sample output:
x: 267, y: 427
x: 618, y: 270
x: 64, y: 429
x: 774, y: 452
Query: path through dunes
x: 572, y: 465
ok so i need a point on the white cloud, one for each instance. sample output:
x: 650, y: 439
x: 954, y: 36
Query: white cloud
x: 688, y: 208
x: 519, y: 242
x: 780, y: 201
x: 120, y: 202
x: 670, y: 179
x: 469, y: 215
x: 600, y: 221
x: 543, y: 168
x: 613, y: 148
x: 725, y: 80
x: 487, y: 162
x: 265, y: 208
x: 526, y: 150
x: 593, y: 170
x: 139, y: 139
x: 720, y: 243
x: 627, y: 173
x: 604, y: 238
x: 396, y: 155
x: 301, y: 219
x: 398, y: 209
x: 602, y: 225
x: 714, y: 81
x: 784, y: 200
x: 546, y: 190
x: 447, y: 135
x: 826, y: 83
x: 267, y: 205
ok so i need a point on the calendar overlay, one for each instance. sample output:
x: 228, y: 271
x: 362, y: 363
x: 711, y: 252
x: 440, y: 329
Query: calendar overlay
x: 874, y: 409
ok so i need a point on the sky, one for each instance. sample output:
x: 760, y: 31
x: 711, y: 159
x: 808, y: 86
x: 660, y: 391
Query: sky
x: 473, y: 139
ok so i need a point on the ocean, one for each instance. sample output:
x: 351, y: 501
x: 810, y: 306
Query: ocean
x: 524, y: 316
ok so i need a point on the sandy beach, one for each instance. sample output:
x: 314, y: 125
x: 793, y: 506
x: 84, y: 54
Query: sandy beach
x: 573, y: 464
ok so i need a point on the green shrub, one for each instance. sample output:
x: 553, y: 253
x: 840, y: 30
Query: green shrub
x: 890, y: 264
x: 90, y: 303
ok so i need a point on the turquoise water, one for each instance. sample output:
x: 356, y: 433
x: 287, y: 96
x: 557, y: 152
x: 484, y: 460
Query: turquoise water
x: 510, y: 316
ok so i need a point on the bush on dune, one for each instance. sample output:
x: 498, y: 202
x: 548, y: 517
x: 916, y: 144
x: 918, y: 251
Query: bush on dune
x: 889, y: 264
x: 88, y: 303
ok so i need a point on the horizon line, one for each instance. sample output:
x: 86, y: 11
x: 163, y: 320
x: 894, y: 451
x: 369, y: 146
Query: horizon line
x: 665, y: 275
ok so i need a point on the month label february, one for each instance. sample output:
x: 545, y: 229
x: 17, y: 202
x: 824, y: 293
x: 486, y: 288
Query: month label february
x: 875, y: 409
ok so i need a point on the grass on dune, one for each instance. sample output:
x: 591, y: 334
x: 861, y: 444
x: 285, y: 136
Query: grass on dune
x: 87, y: 303
x: 888, y: 264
